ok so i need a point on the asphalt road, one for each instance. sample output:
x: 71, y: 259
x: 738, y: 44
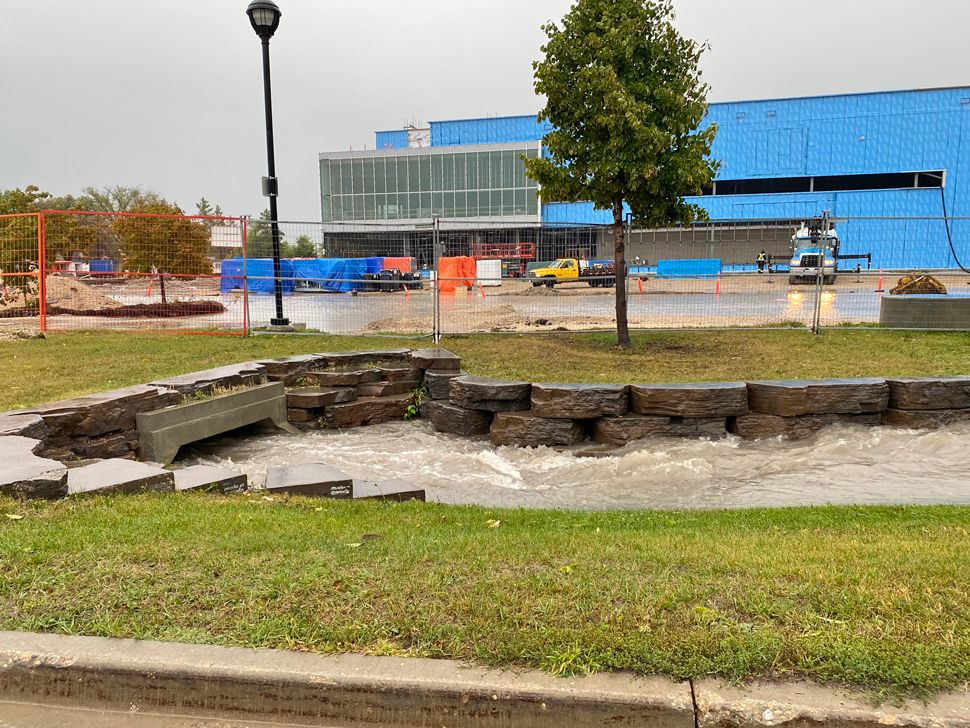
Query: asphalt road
x: 21, y: 715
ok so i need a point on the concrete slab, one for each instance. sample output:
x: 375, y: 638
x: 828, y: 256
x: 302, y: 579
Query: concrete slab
x: 161, y: 433
x: 111, y: 477
x: 314, y: 479
x: 211, y: 477
x: 24, y: 475
x: 349, y: 690
x: 388, y: 490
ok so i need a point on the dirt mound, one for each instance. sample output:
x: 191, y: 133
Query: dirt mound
x: 174, y: 309
x: 71, y: 295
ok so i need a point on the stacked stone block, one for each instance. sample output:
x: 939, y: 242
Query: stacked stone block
x: 923, y: 403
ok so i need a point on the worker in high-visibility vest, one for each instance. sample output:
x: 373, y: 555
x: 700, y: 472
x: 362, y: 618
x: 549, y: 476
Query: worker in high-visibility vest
x: 762, y: 261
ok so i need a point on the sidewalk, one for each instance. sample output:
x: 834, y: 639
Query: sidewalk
x: 220, y: 685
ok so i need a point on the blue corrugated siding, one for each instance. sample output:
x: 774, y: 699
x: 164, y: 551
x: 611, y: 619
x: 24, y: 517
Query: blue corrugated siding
x: 397, y: 139
x: 487, y: 131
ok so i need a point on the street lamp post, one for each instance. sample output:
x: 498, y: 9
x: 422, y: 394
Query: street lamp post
x: 265, y: 18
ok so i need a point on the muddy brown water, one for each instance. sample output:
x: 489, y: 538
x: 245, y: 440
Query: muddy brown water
x: 841, y: 465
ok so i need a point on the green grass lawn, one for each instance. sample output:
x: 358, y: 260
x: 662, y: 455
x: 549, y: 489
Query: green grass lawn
x: 65, y: 365
x: 874, y: 597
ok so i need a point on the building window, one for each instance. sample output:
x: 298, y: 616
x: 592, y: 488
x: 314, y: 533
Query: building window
x: 828, y: 183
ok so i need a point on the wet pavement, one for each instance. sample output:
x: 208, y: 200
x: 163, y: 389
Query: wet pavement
x: 22, y: 715
x: 840, y: 465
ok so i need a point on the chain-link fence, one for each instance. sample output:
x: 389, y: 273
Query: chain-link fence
x: 74, y: 270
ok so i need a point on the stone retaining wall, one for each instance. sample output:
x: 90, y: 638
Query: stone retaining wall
x: 345, y: 390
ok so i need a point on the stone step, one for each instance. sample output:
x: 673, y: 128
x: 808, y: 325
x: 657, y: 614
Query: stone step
x: 207, y: 381
x: 437, y: 382
x: 310, y: 479
x: 439, y: 359
x: 289, y: 369
x: 717, y: 399
x: 110, y: 477
x: 319, y: 397
x: 524, y: 429
x: 619, y: 431
x: 579, y: 401
x: 358, y: 358
x: 386, y: 389
x: 450, y: 418
x: 820, y: 397
x: 388, y: 490
x: 491, y: 395
x: 343, y: 378
x: 367, y: 411
x: 210, y: 477
x: 24, y: 475
x: 940, y: 393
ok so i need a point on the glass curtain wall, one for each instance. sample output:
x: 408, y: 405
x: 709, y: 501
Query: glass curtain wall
x: 479, y: 183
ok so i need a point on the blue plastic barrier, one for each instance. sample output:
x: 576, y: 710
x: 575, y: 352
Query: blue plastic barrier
x: 259, y: 271
x: 699, y: 268
x: 333, y: 274
x: 102, y: 266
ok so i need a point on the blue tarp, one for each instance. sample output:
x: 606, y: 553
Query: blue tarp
x: 333, y: 274
x: 374, y: 265
x: 700, y: 268
x: 102, y: 266
x: 260, y: 274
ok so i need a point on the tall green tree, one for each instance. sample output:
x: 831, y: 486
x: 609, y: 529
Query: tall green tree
x: 259, y: 237
x: 120, y: 198
x: 302, y: 248
x: 625, y: 98
x: 163, y: 242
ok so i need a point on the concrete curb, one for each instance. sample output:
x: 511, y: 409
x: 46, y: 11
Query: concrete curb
x: 351, y: 690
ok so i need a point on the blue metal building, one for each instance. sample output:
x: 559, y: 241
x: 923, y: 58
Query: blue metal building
x: 899, y: 154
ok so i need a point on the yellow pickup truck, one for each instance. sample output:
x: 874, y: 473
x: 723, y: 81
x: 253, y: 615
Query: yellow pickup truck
x: 566, y: 270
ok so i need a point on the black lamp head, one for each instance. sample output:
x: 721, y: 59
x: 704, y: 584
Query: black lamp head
x: 265, y: 17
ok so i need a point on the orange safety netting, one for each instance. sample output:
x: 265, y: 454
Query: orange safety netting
x: 402, y: 264
x: 453, y: 272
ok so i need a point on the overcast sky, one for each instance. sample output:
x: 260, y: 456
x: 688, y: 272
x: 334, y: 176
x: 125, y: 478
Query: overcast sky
x: 168, y: 93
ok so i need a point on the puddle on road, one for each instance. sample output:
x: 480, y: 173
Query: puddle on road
x: 842, y: 465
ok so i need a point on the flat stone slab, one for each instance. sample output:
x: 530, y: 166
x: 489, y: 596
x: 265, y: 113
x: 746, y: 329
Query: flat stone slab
x: 491, y: 395
x: 925, y: 419
x: 207, y: 381
x: 104, y: 412
x: 111, y: 477
x: 704, y: 399
x: 210, y: 477
x: 312, y: 479
x: 579, y: 401
x: 365, y: 411
x: 457, y: 420
x: 386, y: 389
x: 31, y: 426
x: 620, y: 431
x: 290, y: 368
x: 319, y: 397
x: 24, y: 475
x: 388, y: 490
x: 358, y: 358
x: 440, y: 359
x: 437, y: 382
x: 524, y: 429
x: 818, y: 397
x: 398, y: 374
x: 344, y: 377
x: 759, y: 427
x: 939, y: 393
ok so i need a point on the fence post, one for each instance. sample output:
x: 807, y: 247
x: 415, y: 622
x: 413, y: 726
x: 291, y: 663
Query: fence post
x: 244, y: 220
x: 435, y: 289
x: 42, y: 270
x: 823, y: 248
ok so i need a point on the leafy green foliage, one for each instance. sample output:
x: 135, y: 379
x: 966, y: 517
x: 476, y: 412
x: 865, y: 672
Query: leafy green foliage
x: 625, y: 97
x: 259, y: 237
x: 168, y: 244
x: 303, y: 248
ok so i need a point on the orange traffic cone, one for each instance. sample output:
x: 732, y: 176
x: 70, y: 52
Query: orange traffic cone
x: 640, y: 284
x: 879, y: 288
x: 717, y: 286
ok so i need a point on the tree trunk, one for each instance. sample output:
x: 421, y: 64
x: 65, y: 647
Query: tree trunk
x: 619, y: 253
x: 161, y: 286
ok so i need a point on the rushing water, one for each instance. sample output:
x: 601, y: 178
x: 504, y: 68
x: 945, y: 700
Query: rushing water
x: 846, y: 465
